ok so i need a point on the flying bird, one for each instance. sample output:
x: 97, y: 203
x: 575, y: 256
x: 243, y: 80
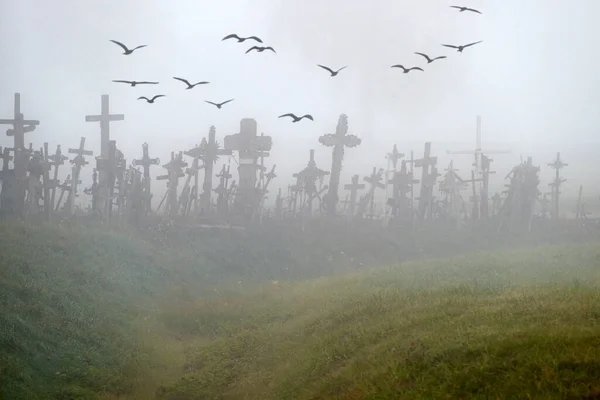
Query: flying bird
x: 242, y: 39
x: 295, y: 118
x: 407, y: 70
x: 134, y: 83
x: 127, y: 51
x: 461, y: 9
x: 260, y: 49
x: 189, y: 85
x: 332, y: 72
x: 219, y: 105
x: 152, y: 99
x: 430, y: 60
x: 461, y: 48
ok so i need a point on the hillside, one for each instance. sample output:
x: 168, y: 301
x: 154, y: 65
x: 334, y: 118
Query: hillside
x: 87, y: 314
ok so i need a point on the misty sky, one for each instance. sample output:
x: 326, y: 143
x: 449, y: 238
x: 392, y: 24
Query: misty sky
x: 532, y: 79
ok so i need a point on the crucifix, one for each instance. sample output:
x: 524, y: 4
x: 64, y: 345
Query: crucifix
x: 174, y: 171
x: 146, y: 162
x: 339, y: 140
x: 250, y: 147
x: 20, y: 126
x: 221, y: 190
x: 78, y: 162
x: 353, y: 187
x: 308, y: 178
x: 105, y: 118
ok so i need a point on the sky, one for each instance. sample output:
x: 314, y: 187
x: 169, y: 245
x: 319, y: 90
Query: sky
x: 533, y: 78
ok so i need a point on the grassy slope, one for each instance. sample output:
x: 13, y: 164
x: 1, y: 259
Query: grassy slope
x: 509, y: 325
x: 88, y: 315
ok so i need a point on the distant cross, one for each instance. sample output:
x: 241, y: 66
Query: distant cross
x: 146, y: 162
x: 49, y: 184
x: 174, y: 171
x: 474, y: 197
x: 374, y: 183
x: 78, y: 162
x: 353, y: 187
x: 250, y: 147
x: 105, y: 118
x: 338, y: 141
x: 557, y: 165
x: 427, y: 183
x: 221, y: 190
x: 308, y: 178
x: 57, y: 159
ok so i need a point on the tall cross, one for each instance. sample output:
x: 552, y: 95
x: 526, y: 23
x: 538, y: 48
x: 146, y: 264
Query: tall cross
x: 105, y: 118
x: 308, y: 178
x: 375, y: 183
x: 174, y: 171
x: 353, y: 187
x: 21, y: 126
x: 210, y: 155
x: 250, y: 147
x: 427, y: 183
x: 146, y: 162
x: 57, y: 159
x: 49, y: 184
x: 338, y: 141
x: 557, y: 165
x: 78, y: 162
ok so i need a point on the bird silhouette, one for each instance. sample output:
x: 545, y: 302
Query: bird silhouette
x: 461, y: 9
x: 219, y: 105
x: 461, y: 48
x: 134, y: 83
x: 430, y: 60
x: 242, y: 39
x: 332, y: 72
x: 189, y: 85
x: 125, y: 49
x: 407, y: 70
x: 295, y: 118
x: 152, y: 99
x: 260, y: 49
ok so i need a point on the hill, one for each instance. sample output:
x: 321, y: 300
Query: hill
x: 88, y: 314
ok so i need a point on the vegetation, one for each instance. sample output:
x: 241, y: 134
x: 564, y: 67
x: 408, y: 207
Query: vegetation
x: 85, y: 314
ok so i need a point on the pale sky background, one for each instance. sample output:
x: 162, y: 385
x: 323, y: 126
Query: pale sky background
x: 533, y: 80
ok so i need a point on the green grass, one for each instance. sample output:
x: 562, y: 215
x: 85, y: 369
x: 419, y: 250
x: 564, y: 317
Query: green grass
x: 87, y: 314
x: 524, y: 324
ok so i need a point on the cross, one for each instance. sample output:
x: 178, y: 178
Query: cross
x: 49, y: 184
x: 353, y: 187
x: 338, y: 141
x: 395, y: 156
x: 105, y: 118
x: 474, y: 198
x: 426, y: 179
x: 308, y: 177
x: 375, y: 182
x: 250, y: 147
x: 6, y: 159
x: 21, y: 126
x: 557, y: 165
x: 146, y: 162
x: 79, y: 159
x: 78, y: 162
x: 175, y: 171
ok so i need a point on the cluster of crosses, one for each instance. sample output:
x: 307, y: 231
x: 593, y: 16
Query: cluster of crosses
x: 122, y: 192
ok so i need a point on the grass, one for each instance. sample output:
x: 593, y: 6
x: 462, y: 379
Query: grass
x: 524, y: 324
x: 85, y: 314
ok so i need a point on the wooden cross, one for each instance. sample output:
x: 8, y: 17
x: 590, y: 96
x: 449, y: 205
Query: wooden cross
x: 6, y: 159
x: 353, y: 187
x: 395, y: 156
x: 49, y: 184
x: 174, y: 171
x: 557, y: 165
x: 427, y: 183
x: 21, y: 126
x: 250, y: 147
x: 338, y: 141
x: 146, y: 162
x: 308, y: 178
x: 57, y: 159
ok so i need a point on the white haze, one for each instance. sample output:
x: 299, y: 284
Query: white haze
x: 533, y: 79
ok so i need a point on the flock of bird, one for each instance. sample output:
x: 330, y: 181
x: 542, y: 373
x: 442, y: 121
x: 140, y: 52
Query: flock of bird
x: 127, y: 51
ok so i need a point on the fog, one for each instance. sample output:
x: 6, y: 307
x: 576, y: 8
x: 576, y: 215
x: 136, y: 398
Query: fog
x: 532, y: 79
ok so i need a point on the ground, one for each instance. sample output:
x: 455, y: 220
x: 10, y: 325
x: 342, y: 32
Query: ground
x: 87, y: 314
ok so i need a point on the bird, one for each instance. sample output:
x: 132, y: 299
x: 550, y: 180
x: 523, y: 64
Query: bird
x: 152, y: 99
x: 127, y: 51
x: 219, y: 105
x: 189, y: 85
x: 461, y: 48
x: 242, y: 39
x: 260, y: 49
x: 332, y: 72
x: 134, y: 83
x: 295, y: 118
x: 406, y: 70
x: 461, y: 9
x: 430, y: 60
